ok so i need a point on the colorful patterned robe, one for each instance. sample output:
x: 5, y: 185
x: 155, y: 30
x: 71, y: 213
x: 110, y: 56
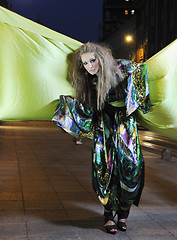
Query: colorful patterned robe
x: 117, y: 161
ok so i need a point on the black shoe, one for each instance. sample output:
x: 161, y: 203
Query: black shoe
x: 109, y: 228
x: 122, y: 216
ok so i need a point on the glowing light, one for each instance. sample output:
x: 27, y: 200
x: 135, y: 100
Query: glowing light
x: 129, y: 38
x: 126, y: 12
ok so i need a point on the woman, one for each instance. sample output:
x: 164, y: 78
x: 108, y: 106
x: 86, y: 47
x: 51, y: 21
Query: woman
x: 108, y: 94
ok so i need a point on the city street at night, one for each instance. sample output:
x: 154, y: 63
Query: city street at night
x: 46, y: 190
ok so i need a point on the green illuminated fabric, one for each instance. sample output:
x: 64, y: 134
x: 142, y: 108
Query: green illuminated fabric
x: 32, y: 68
x: 162, y: 117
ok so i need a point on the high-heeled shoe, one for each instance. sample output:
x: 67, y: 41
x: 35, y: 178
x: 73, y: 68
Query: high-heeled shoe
x: 122, y: 217
x: 108, y: 216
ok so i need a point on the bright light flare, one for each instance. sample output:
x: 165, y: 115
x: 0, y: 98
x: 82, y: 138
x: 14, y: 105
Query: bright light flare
x: 128, y: 38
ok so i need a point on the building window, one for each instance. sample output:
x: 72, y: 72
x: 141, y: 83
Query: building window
x: 126, y: 12
x: 132, y: 12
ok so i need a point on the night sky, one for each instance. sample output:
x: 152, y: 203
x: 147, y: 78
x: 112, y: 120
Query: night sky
x: 77, y: 19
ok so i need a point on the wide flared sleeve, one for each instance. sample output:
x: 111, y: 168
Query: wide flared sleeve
x: 73, y: 117
x: 137, y: 92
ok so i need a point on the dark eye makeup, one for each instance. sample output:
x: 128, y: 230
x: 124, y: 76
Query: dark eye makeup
x: 91, y: 61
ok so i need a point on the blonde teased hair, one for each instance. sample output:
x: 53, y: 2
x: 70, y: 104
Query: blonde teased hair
x: 109, y: 75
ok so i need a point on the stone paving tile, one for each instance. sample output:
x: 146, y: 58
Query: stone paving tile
x: 10, y: 196
x: 42, y: 204
x: 40, y: 196
x: 8, y: 160
x: 36, y: 186
x: 57, y: 237
x: 10, y: 186
x: 48, y: 160
x: 77, y: 196
x: 83, y: 214
x: 82, y: 204
x: 97, y: 234
x: 12, y: 216
x: 50, y: 230
x: 94, y: 223
x: 138, y: 215
x: 161, y: 214
x: 9, y: 205
x: 150, y: 237
x: 66, y: 186
x: 56, y: 171
x: 10, y: 229
x: 9, y: 174
x: 6, y: 167
x: 28, y: 162
x: 14, y: 238
x: 32, y: 173
x: 50, y: 215
x: 61, y: 177
x: 146, y: 228
x: 170, y: 226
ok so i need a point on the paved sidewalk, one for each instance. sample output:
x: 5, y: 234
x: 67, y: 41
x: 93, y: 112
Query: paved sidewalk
x: 46, y: 191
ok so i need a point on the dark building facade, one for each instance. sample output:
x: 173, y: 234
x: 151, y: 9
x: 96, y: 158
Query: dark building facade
x: 115, y: 14
x: 156, y: 23
x: 153, y: 22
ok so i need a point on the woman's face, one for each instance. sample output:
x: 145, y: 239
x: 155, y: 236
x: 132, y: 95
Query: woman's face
x: 90, y: 63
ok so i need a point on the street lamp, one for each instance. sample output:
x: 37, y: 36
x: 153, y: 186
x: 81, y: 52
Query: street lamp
x: 128, y: 38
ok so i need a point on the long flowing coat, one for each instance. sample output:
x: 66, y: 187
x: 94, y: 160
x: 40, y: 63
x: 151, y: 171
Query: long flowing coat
x: 117, y: 161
